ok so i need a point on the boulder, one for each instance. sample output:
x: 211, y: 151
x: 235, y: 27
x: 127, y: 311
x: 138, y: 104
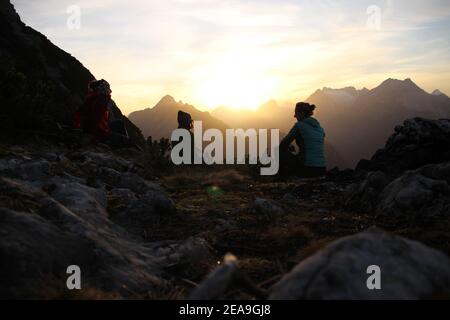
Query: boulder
x: 421, y: 192
x: 408, y: 270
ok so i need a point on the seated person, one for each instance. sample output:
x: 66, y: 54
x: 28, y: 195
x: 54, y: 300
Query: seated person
x: 185, y: 122
x: 309, y: 137
x: 95, y: 117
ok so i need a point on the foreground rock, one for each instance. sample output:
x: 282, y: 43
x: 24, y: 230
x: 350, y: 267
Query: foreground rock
x: 51, y: 219
x: 222, y: 279
x: 409, y: 270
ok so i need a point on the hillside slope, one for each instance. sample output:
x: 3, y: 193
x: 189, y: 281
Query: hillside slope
x: 40, y: 83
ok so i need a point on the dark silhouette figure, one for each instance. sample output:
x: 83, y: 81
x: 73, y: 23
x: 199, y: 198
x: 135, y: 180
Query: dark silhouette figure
x: 95, y: 117
x: 185, y: 122
x: 309, y: 137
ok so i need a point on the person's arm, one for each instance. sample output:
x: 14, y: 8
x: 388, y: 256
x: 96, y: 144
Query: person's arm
x: 287, y: 140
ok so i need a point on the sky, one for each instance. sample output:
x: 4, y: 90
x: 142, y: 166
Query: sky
x: 241, y: 54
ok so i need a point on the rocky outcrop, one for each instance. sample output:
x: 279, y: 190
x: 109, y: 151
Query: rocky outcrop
x: 408, y: 270
x: 410, y: 175
x: 417, y: 143
x: 52, y: 218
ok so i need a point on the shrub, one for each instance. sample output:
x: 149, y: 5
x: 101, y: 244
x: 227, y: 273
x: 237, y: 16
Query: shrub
x: 157, y: 157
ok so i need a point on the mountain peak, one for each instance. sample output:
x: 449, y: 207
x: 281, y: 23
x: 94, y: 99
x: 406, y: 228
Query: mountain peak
x: 395, y: 84
x: 392, y: 81
x: 166, y: 101
x: 168, y: 98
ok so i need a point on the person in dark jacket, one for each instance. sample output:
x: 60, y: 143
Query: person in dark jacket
x: 185, y: 122
x: 93, y: 115
x: 309, y: 137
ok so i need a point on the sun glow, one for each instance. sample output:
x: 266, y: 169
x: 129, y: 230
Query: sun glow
x: 236, y: 81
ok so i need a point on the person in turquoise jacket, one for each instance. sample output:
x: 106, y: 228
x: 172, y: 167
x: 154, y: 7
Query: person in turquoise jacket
x: 309, y: 137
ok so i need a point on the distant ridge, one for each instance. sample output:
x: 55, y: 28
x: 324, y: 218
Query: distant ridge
x: 159, y: 121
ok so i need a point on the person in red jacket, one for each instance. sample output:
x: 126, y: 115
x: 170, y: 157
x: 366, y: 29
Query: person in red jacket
x: 93, y: 116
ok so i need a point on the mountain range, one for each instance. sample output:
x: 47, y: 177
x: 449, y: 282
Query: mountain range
x: 356, y: 122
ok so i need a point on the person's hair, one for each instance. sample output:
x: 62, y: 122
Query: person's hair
x: 305, y: 108
x: 101, y: 86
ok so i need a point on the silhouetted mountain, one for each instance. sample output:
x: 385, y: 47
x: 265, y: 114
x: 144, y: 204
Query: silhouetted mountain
x: 359, y: 124
x: 159, y: 121
x: 41, y: 84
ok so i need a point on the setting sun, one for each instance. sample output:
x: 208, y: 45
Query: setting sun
x: 236, y: 80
